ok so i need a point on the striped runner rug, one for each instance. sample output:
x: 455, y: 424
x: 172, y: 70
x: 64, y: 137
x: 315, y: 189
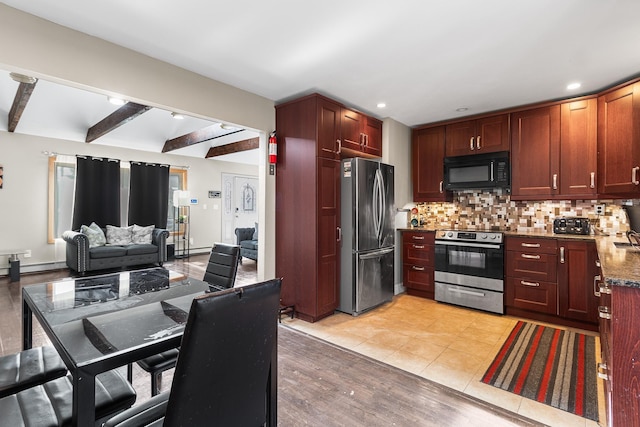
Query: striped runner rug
x: 549, y: 365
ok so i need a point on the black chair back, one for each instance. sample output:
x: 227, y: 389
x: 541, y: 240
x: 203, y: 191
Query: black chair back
x: 223, y: 265
x: 225, y: 360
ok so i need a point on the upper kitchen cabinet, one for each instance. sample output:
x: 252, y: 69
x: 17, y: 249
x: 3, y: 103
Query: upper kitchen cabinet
x: 490, y: 134
x: 578, y: 148
x: 535, y: 152
x: 619, y: 141
x: 427, y: 157
x: 361, y: 134
x: 329, y: 118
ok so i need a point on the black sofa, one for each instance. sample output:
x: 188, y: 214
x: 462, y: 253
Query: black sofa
x: 81, y: 258
x: 248, y: 245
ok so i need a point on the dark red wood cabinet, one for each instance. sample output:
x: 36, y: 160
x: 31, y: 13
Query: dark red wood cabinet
x: 577, y: 280
x: 486, y: 135
x: 427, y: 157
x: 418, y: 262
x: 308, y: 205
x: 578, y: 171
x: 361, y: 134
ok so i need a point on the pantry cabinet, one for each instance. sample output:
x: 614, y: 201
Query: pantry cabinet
x: 418, y: 262
x: 619, y: 141
x: 361, y: 134
x: 486, y: 135
x: 427, y: 157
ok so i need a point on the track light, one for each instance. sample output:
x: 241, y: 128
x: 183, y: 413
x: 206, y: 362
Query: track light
x: 115, y: 100
x: 177, y: 116
x: 21, y: 78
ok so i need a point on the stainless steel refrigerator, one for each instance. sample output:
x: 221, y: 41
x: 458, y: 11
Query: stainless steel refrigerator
x: 368, y: 234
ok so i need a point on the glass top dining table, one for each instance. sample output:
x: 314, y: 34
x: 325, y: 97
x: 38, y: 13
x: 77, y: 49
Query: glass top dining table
x: 99, y: 323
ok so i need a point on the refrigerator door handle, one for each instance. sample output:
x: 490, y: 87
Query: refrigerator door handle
x: 376, y: 254
x: 374, y: 201
x: 383, y: 206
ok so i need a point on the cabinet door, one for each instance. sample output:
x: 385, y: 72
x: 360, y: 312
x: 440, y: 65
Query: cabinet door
x: 460, y: 138
x: 619, y: 140
x: 578, y: 148
x: 328, y: 234
x: 427, y: 157
x: 373, y: 136
x: 541, y: 297
x: 576, y: 272
x: 492, y: 134
x: 535, y: 148
x: 329, y: 117
x: 351, y: 129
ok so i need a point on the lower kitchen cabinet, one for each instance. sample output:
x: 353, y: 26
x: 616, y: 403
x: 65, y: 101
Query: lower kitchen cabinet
x: 418, y: 256
x: 552, y: 280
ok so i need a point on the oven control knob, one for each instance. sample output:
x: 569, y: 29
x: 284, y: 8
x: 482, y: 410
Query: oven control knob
x: 441, y: 233
x: 483, y: 236
x: 495, y: 236
x: 450, y: 234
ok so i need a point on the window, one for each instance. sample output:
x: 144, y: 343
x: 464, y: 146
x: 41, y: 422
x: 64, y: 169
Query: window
x: 62, y: 174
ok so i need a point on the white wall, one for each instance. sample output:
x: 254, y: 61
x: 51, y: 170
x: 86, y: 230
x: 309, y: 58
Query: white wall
x: 45, y: 50
x: 396, y: 149
x: 23, y: 216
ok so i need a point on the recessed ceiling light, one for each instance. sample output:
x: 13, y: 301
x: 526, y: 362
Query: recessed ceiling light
x: 462, y: 109
x: 381, y: 105
x: 115, y: 100
x: 177, y: 116
x: 227, y: 127
x: 573, y: 86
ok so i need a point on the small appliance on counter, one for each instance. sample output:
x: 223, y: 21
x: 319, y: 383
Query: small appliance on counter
x: 571, y: 225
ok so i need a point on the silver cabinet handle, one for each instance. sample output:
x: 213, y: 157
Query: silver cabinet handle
x: 339, y: 230
x: 602, y: 371
x: 530, y: 245
x: 555, y: 181
x: 604, y: 289
x: 598, y: 263
x: 604, y: 312
x: 634, y: 175
x: 596, y: 279
x: 478, y: 143
x: 339, y: 141
x: 418, y: 246
x: 533, y: 284
x: 562, y: 255
x: 441, y: 183
x: 465, y: 292
x: 471, y: 143
x: 417, y: 268
x: 593, y: 180
x: 417, y: 237
x: 530, y: 256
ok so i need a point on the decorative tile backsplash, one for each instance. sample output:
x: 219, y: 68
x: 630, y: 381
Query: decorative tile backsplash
x: 493, y: 210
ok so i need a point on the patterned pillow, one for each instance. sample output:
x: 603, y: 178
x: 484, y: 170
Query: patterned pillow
x: 94, y: 234
x: 142, y: 234
x: 119, y: 235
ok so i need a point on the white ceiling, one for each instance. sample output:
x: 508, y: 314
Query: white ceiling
x: 424, y: 59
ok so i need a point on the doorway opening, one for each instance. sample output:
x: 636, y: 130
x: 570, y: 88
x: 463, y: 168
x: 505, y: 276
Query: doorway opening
x: 240, y: 204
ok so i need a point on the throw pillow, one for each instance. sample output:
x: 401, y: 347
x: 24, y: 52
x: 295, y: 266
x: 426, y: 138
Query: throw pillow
x: 255, y: 233
x: 119, y: 235
x: 94, y: 234
x: 142, y: 234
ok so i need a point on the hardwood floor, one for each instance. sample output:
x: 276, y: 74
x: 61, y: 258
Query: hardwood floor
x: 319, y: 384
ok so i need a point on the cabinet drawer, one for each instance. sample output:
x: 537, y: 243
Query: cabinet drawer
x: 531, y: 265
x: 419, y: 237
x: 418, y: 277
x: 418, y: 253
x: 531, y: 295
x: 529, y: 245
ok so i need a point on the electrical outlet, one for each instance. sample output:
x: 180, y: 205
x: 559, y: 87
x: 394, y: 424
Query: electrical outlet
x: 27, y: 253
x: 599, y: 209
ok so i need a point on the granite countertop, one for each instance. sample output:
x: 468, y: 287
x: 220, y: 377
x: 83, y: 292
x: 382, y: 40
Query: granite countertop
x: 620, y: 264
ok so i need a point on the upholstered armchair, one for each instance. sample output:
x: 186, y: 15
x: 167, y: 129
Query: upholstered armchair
x: 247, y: 239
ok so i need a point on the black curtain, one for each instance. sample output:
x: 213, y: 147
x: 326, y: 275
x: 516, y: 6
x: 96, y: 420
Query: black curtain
x: 97, y: 197
x: 149, y: 195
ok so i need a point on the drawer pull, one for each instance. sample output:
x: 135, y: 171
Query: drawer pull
x: 534, y: 284
x: 604, y: 313
x: 596, y: 279
x: 530, y: 245
x: 602, y: 371
x: 418, y: 246
x: 417, y: 237
x: 604, y: 289
x: 417, y: 268
x: 530, y: 256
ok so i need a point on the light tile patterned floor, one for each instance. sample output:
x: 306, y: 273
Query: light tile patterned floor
x: 446, y: 344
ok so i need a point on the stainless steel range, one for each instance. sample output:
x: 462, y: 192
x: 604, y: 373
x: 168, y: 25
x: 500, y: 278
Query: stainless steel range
x: 469, y: 269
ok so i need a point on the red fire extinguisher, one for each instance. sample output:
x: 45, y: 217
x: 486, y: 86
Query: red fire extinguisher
x: 273, y: 148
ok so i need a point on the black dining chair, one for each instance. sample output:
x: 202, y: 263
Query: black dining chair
x: 28, y: 368
x: 224, y: 371
x: 220, y: 274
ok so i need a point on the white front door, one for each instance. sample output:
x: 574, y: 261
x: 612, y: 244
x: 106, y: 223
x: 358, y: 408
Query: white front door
x: 240, y: 201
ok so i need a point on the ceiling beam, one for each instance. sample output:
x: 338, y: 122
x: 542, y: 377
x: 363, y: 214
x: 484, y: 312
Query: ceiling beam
x: 234, y: 147
x: 195, y: 137
x: 122, y: 115
x: 19, y: 104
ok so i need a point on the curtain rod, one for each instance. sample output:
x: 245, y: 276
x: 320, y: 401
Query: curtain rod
x: 54, y: 153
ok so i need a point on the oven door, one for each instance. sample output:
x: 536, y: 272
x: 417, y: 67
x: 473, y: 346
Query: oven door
x: 470, y: 259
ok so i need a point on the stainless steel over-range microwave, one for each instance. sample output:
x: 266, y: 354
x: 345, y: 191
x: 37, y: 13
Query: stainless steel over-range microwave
x: 490, y: 170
